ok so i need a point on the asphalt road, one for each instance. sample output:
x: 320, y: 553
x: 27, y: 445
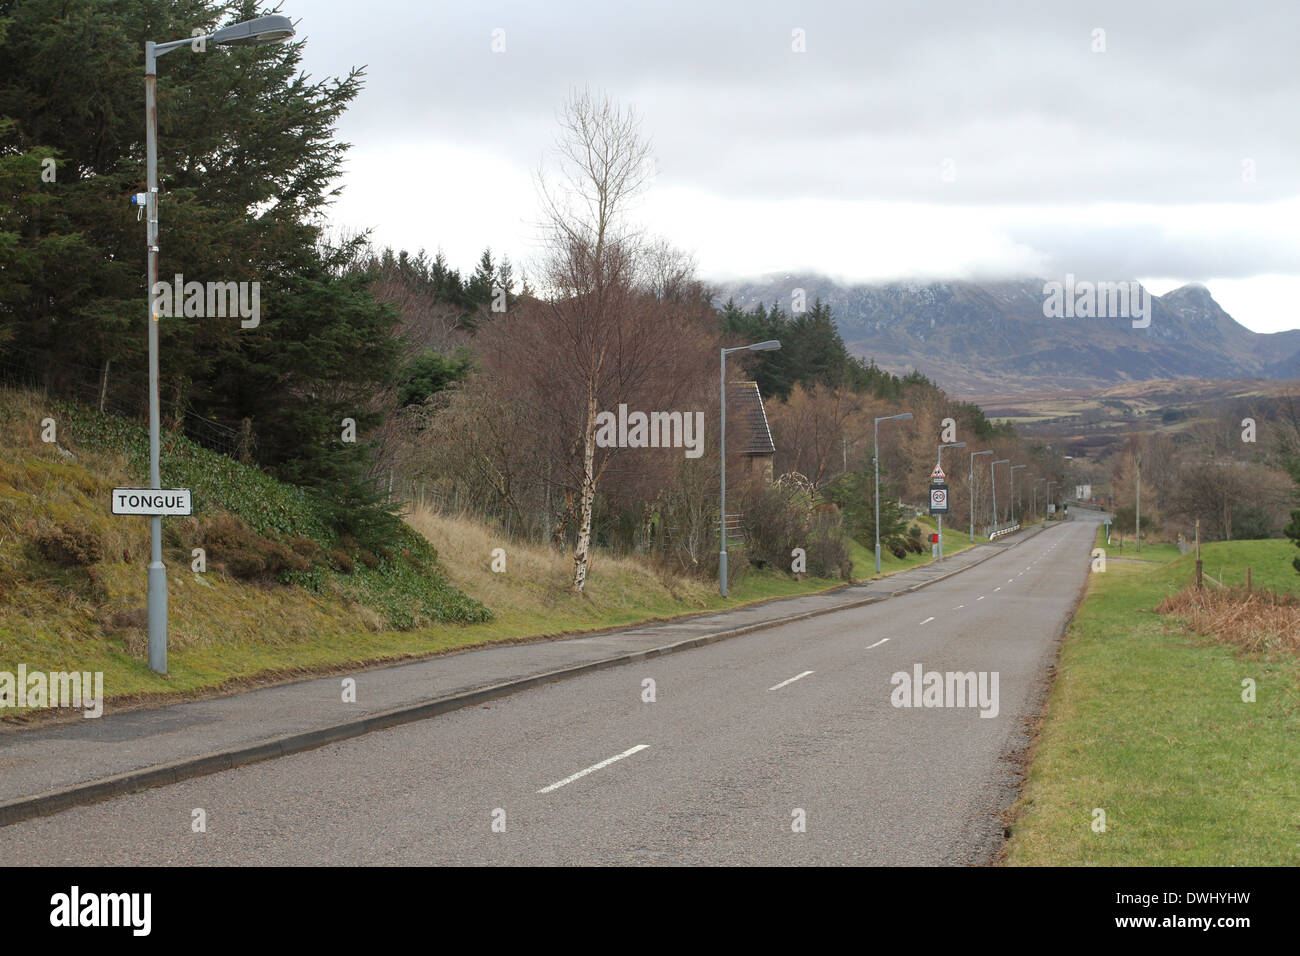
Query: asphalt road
x: 745, y: 740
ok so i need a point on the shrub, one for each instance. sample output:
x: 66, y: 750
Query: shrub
x: 70, y: 545
x: 246, y: 554
x: 307, y: 549
x: 778, y: 520
x: 773, y: 528
x: 828, y: 555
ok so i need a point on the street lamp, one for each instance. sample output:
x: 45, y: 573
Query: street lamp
x: 269, y: 29
x: 1036, y: 481
x: 875, y: 462
x: 1137, y: 530
x: 942, y: 446
x: 1013, y: 492
x: 973, y: 456
x: 722, y: 446
x: 993, y: 487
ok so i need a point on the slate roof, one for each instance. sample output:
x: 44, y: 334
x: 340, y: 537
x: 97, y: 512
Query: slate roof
x: 745, y: 413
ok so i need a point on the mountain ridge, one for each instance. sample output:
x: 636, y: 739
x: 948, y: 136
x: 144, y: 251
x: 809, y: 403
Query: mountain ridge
x: 983, y: 337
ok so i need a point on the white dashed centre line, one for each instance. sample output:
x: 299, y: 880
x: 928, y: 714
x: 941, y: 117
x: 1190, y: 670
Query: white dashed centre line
x: 791, y: 680
x: 959, y: 607
x: 879, y: 642
x: 927, y: 620
x: 995, y: 590
x: 980, y: 598
x: 592, y: 769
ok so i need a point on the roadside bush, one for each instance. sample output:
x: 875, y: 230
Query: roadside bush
x: 778, y: 520
x: 244, y: 553
x: 828, y: 554
x: 73, y: 545
x: 773, y: 528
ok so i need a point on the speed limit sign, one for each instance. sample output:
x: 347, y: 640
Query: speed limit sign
x: 938, y: 499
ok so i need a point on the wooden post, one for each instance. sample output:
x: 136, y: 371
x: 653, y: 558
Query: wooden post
x: 1198, y: 574
x: 1247, y: 580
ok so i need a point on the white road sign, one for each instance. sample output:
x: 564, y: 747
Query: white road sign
x: 152, y: 501
x: 937, y: 476
x: 938, y: 499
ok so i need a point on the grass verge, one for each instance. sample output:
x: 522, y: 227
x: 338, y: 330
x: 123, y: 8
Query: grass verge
x: 1146, y: 721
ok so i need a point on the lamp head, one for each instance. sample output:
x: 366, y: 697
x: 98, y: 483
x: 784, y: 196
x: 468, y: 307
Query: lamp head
x: 273, y: 28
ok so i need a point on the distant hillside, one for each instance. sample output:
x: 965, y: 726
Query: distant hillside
x: 992, y: 337
x: 1094, y: 422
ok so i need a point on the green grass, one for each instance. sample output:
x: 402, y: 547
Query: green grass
x: 1146, y: 721
x: 863, y: 556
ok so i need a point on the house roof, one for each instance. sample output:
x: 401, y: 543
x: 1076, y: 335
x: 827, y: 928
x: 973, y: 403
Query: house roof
x: 746, y: 414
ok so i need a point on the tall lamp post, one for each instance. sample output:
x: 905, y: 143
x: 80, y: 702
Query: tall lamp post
x: 973, y: 456
x: 942, y: 446
x: 722, y: 451
x: 1013, y: 492
x: 993, y: 487
x: 269, y: 29
x: 1137, y: 530
x: 875, y: 462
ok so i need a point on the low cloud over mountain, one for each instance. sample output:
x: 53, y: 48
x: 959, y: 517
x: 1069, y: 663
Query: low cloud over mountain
x: 980, y: 338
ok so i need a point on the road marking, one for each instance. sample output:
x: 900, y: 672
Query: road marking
x: 791, y: 680
x: 1009, y: 580
x: 996, y: 590
x: 959, y: 607
x: 980, y: 598
x: 927, y: 620
x: 592, y: 769
x: 877, y: 644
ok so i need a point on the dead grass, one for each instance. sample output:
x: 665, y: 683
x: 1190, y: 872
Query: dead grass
x: 1259, y: 621
x: 536, y: 577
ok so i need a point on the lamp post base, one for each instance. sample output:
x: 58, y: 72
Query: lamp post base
x: 158, y: 618
x: 722, y: 572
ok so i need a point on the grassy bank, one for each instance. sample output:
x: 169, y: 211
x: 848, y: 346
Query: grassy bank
x: 864, y: 560
x: 72, y: 575
x: 272, y: 634
x: 227, y: 632
x: 1146, y: 722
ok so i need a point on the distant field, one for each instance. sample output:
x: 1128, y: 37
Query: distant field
x: 1097, y: 419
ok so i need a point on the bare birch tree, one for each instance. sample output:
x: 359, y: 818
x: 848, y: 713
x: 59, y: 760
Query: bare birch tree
x: 604, y: 162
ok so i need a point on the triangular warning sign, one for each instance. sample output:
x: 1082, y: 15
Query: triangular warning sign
x: 937, y: 474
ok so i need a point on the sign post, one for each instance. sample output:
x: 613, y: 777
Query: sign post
x: 154, y: 503
x: 939, y: 508
x: 939, y: 500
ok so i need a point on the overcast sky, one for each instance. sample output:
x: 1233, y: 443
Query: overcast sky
x: 908, y: 140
